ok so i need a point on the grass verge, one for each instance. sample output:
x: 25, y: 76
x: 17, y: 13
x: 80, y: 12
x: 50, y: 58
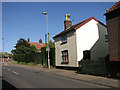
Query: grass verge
x: 23, y: 63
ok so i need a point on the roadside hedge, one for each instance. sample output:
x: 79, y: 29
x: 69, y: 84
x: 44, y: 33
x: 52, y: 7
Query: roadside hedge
x: 37, y: 57
x: 44, y: 54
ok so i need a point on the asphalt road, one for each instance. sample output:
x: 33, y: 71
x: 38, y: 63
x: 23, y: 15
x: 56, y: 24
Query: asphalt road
x: 16, y: 77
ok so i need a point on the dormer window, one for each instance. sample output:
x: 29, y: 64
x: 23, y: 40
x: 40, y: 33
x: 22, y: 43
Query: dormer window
x: 64, y: 39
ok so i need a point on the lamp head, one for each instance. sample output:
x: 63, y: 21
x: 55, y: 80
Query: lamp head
x: 44, y: 13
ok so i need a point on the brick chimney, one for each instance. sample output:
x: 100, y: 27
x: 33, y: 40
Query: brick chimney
x: 40, y: 41
x: 28, y: 39
x: 67, y: 22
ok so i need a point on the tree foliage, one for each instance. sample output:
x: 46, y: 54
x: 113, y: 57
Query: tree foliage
x: 21, y: 42
x: 23, y: 52
x: 51, y: 44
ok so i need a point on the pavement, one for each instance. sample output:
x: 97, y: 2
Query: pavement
x: 99, y: 80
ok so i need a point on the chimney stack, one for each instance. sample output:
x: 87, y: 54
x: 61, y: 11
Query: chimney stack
x: 67, y: 22
x: 40, y: 41
x: 28, y: 39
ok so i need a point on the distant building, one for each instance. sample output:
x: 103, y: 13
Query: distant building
x: 85, y: 40
x: 6, y: 57
x: 113, y: 26
x: 38, y: 45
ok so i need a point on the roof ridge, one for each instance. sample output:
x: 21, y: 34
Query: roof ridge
x: 36, y: 42
x: 33, y: 42
x: 85, y: 21
x: 78, y: 25
x: 80, y: 22
x: 115, y: 6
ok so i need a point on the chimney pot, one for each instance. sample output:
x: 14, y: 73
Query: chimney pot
x: 107, y: 10
x: 40, y: 41
x: 66, y: 17
x: 28, y: 39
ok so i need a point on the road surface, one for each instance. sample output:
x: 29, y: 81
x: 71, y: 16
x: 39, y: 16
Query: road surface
x: 17, y: 77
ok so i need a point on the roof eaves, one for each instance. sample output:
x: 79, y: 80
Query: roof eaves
x: 64, y: 32
x: 114, y: 7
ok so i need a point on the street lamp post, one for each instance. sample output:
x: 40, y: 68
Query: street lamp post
x: 45, y: 13
x: 3, y: 51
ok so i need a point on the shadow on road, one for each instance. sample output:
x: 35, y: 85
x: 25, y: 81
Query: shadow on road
x: 7, y: 86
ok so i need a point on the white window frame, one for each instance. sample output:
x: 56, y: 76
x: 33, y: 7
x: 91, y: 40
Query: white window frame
x: 65, y: 58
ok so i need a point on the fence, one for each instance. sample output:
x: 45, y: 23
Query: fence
x: 97, y: 67
x: 113, y: 68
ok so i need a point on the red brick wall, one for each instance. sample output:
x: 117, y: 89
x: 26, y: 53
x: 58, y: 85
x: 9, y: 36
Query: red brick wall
x: 113, y: 26
x: 67, y: 24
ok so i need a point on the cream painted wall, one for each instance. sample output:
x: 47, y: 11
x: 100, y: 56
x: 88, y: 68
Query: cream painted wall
x: 86, y: 37
x: 70, y: 46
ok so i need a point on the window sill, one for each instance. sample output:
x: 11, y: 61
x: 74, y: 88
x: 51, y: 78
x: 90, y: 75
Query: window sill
x: 64, y: 62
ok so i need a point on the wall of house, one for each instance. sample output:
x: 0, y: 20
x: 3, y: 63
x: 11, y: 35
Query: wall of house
x: 113, y: 26
x: 86, y: 37
x: 100, y: 49
x: 70, y: 46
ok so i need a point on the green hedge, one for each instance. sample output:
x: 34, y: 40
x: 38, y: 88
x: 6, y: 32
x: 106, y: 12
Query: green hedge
x: 37, y: 57
x: 52, y: 56
x: 44, y: 54
x: 28, y: 57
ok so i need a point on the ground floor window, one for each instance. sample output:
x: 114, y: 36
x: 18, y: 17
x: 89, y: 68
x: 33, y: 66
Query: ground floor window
x: 86, y: 54
x: 65, y: 59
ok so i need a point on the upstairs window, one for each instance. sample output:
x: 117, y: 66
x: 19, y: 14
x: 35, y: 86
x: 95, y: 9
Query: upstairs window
x: 86, y: 54
x: 106, y: 38
x: 65, y: 57
x: 64, y: 38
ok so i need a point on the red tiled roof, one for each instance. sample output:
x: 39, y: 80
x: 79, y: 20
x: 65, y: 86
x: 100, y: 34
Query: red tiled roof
x: 85, y: 21
x: 114, y: 7
x: 37, y: 45
x: 78, y: 25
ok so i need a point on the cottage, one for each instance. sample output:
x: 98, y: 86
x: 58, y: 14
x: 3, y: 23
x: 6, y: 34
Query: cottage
x: 38, y: 45
x: 84, y: 40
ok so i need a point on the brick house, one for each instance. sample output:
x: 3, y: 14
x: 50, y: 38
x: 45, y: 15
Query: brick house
x: 84, y: 40
x: 113, y: 26
x: 38, y: 45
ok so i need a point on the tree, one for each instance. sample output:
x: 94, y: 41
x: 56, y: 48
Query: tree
x: 51, y: 44
x: 23, y: 50
x: 23, y: 42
